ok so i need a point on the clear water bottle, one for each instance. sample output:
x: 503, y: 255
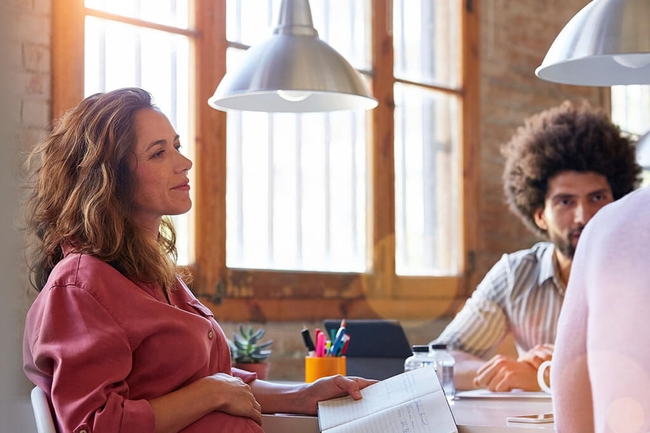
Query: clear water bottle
x: 419, y: 359
x: 444, y: 363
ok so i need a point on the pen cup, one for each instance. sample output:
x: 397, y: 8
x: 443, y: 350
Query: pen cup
x: 317, y: 367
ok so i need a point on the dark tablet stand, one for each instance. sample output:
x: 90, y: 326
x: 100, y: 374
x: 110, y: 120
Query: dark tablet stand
x: 377, y: 348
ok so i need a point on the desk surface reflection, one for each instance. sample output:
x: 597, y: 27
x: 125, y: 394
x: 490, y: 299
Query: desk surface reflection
x: 472, y: 415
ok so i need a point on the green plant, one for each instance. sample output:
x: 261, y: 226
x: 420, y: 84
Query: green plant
x: 246, y: 346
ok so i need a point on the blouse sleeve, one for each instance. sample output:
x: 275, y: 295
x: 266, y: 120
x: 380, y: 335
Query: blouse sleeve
x: 90, y: 356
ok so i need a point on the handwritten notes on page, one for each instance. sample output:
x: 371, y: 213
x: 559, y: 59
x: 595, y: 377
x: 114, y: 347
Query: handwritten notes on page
x: 411, y: 402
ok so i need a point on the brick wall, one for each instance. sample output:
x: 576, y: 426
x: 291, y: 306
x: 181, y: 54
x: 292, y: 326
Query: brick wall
x: 28, y: 61
x: 30, y: 58
x: 515, y: 35
x: 24, y: 111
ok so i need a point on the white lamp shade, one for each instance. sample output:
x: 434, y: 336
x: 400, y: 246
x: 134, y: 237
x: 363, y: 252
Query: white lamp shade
x: 293, y: 71
x: 607, y: 43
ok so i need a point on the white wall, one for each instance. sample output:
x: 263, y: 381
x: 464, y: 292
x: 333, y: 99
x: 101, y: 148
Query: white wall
x: 15, y: 410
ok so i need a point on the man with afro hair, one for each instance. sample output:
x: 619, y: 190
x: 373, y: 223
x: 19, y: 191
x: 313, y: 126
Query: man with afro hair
x: 561, y: 167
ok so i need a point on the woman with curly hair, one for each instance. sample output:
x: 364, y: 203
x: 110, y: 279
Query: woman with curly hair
x: 561, y: 167
x: 115, y: 337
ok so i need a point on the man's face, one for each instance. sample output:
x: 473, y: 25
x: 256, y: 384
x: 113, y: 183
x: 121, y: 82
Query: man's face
x: 571, y: 201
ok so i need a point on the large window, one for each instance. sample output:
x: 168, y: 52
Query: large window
x: 122, y: 53
x: 296, y: 185
x: 305, y: 216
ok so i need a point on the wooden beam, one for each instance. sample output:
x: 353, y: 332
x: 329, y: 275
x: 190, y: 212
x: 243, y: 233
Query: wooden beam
x: 210, y: 145
x: 271, y: 310
x: 67, y: 55
x: 382, y: 158
x: 470, y: 139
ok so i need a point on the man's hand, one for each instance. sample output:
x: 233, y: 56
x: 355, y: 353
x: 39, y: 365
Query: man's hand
x: 537, y: 355
x: 503, y: 373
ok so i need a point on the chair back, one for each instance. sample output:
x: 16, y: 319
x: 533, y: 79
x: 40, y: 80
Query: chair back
x: 42, y: 411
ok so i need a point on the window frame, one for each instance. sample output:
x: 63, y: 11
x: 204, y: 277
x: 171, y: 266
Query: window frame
x: 268, y: 295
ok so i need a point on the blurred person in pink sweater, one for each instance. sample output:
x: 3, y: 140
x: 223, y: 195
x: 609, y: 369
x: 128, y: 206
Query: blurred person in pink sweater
x: 600, y: 374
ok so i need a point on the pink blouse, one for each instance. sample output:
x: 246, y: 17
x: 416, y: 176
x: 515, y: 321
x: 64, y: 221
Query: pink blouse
x: 101, y: 347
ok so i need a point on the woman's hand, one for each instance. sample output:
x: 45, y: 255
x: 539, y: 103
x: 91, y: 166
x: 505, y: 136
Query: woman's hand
x: 219, y: 392
x: 332, y: 387
x: 235, y: 397
x: 304, y: 397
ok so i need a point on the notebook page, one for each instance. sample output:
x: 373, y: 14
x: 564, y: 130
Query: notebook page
x: 380, y: 396
x: 427, y: 414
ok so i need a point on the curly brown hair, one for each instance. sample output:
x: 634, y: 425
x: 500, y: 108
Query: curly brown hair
x: 81, y: 191
x: 565, y: 138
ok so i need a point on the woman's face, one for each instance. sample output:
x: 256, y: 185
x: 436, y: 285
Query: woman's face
x: 162, y: 185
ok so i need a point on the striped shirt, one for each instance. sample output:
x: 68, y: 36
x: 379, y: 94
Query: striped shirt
x: 520, y: 295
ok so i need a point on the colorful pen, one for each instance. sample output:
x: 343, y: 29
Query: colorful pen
x: 317, y: 332
x: 338, y: 339
x: 320, y: 345
x: 345, y: 345
x: 309, y: 343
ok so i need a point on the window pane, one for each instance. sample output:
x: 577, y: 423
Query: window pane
x: 631, y: 112
x: 427, y: 41
x: 120, y: 55
x: 168, y: 12
x: 296, y: 191
x: 426, y: 182
x: 251, y: 21
x: 296, y: 188
x: 340, y: 23
x: 631, y: 108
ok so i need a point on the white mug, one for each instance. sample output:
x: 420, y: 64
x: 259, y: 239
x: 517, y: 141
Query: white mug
x: 541, y: 372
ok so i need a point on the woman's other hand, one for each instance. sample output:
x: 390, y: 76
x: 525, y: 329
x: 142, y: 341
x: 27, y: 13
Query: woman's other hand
x: 235, y: 397
x: 219, y: 392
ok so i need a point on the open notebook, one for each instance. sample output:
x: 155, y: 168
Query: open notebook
x: 411, y: 401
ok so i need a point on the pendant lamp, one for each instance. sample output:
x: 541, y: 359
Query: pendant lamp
x: 293, y: 71
x: 607, y: 43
